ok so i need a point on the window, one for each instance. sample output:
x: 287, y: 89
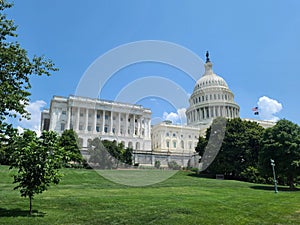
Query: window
x: 182, y: 144
x: 202, y: 98
x: 113, y: 130
x: 168, y: 144
x: 106, y: 117
x: 81, y: 114
x: 63, y: 112
x: 167, y: 134
x: 174, y: 144
x: 97, y: 128
x: 62, y: 126
x: 190, y: 145
x: 80, y: 127
x: 98, y: 116
x: 89, y: 127
x: 105, y: 129
x: 174, y: 135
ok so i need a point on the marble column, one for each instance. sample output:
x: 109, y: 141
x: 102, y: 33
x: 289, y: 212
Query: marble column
x: 77, y: 119
x: 111, y: 123
x: 95, y: 121
x: 86, y: 122
x: 69, y: 118
x: 103, y: 121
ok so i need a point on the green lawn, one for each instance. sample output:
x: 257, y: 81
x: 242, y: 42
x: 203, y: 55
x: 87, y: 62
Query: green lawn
x: 84, y: 197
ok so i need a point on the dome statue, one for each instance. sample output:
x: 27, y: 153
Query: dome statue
x: 211, y: 98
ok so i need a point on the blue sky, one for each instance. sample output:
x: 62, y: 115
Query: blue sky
x: 254, y: 45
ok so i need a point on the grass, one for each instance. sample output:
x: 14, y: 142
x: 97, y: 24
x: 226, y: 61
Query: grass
x: 85, y: 197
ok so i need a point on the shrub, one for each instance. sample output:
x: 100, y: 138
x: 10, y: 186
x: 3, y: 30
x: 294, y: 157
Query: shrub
x: 251, y: 174
x: 173, y: 165
x: 157, y: 164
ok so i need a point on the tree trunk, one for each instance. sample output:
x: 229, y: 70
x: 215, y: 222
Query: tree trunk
x: 30, y: 205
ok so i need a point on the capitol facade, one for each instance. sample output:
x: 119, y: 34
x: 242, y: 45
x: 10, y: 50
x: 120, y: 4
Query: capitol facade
x: 130, y: 124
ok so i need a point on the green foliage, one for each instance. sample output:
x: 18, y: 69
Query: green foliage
x: 251, y: 174
x: 109, y: 154
x: 202, y: 143
x: 127, y: 156
x: 239, y: 149
x: 37, y: 160
x: 282, y: 144
x: 15, y: 71
x: 174, y: 165
x: 157, y: 164
x: 69, y: 141
x: 99, y: 156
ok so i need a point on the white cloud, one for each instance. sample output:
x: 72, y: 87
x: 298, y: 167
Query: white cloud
x: 34, y: 108
x: 176, y: 118
x: 268, y: 107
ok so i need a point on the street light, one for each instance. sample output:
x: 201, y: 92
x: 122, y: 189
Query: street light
x: 275, y: 181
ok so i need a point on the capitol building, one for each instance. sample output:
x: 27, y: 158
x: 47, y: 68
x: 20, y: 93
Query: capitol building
x: 130, y: 124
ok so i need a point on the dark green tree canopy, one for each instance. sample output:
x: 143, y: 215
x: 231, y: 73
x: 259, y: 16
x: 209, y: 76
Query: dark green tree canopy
x: 282, y: 144
x: 69, y: 141
x: 107, y: 154
x: 239, y: 148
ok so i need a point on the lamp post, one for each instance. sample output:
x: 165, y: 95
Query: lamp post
x: 275, y: 181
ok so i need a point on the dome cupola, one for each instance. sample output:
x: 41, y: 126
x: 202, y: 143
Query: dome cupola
x: 211, y: 98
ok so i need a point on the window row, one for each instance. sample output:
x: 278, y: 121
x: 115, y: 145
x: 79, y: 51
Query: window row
x: 204, y: 98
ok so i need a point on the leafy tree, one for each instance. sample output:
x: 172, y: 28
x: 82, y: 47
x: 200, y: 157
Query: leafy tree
x: 127, y: 156
x: 38, y: 160
x: 202, y: 143
x: 99, y: 156
x: 16, y: 68
x: 282, y: 144
x: 108, y: 154
x: 239, y: 148
x: 69, y: 141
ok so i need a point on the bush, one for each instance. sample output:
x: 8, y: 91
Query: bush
x: 251, y: 174
x: 173, y: 165
x: 157, y: 164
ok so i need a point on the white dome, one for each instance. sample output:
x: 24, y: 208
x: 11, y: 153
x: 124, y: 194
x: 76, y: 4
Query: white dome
x: 210, y: 79
x: 210, y: 99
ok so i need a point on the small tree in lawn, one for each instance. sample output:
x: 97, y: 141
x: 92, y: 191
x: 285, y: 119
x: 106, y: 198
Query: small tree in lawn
x: 37, y: 161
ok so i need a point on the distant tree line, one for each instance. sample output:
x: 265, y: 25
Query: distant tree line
x: 247, y: 148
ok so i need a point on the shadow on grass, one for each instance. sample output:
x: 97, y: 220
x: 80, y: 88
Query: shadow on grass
x: 20, y: 213
x: 271, y: 188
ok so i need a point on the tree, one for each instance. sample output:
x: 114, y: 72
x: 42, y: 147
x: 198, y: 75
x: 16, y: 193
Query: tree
x: 108, y: 154
x: 99, y: 156
x: 38, y: 160
x: 69, y: 141
x: 127, y: 156
x: 202, y: 143
x: 282, y: 144
x: 16, y: 68
x: 239, y: 148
